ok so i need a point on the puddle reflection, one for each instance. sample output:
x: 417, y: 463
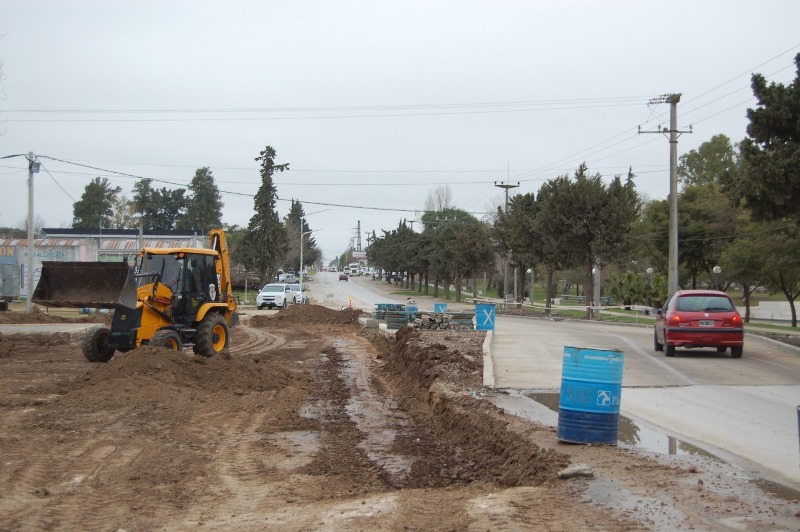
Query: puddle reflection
x: 631, y: 433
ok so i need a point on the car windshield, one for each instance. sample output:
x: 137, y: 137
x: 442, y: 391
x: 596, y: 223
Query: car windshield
x: 704, y: 304
x: 272, y: 288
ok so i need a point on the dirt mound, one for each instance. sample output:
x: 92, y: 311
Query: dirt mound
x: 155, y: 374
x: 37, y: 316
x: 440, y: 377
x: 309, y: 314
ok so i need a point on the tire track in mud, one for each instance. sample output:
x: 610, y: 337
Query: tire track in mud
x: 24, y: 484
x: 253, y: 341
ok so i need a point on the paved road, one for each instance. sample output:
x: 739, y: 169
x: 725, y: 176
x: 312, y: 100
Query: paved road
x: 29, y: 328
x: 744, y: 409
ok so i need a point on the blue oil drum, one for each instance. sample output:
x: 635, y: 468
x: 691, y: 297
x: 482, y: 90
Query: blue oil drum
x: 591, y: 388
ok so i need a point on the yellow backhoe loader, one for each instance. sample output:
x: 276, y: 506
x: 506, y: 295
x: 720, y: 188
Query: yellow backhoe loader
x: 172, y: 297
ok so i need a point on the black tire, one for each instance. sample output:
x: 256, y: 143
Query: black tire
x: 285, y: 303
x: 736, y: 352
x: 656, y: 345
x: 3, y: 306
x: 721, y: 349
x: 167, y: 338
x: 261, y: 307
x: 212, y: 335
x: 669, y: 350
x: 94, y: 344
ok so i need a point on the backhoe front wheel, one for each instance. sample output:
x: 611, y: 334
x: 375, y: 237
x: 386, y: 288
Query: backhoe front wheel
x: 167, y: 338
x: 95, y: 345
x: 212, y: 335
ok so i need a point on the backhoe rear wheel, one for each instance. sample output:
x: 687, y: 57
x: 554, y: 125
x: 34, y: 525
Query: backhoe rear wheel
x: 212, y: 335
x: 167, y: 338
x: 95, y: 345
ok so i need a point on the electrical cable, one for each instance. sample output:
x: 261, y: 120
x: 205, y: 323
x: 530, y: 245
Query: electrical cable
x: 57, y: 183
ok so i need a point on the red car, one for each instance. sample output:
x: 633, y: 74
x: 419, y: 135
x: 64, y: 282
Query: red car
x: 698, y: 318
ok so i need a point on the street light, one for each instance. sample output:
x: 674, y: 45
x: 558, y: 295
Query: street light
x: 649, y: 285
x: 717, y: 270
x: 302, y: 234
x: 530, y: 271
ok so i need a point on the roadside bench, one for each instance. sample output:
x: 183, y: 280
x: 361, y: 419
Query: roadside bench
x: 573, y: 299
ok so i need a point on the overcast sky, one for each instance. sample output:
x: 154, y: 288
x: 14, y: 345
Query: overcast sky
x: 373, y: 103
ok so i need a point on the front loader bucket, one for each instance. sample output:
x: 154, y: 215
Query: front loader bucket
x: 86, y: 285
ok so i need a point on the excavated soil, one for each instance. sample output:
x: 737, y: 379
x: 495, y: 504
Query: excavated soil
x: 307, y: 422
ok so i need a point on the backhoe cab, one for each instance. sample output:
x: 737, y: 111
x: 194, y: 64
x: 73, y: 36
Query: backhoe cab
x: 172, y: 297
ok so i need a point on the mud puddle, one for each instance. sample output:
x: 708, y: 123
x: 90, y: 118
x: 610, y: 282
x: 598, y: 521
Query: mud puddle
x: 635, y: 434
x: 542, y: 407
x: 375, y: 414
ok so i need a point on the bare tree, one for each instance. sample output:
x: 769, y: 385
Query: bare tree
x: 439, y: 199
x: 38, y: 224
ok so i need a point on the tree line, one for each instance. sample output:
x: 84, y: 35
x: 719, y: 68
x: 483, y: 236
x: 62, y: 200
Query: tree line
x: 739, y: 215
x: 258, y: 250
x: 739, y: 210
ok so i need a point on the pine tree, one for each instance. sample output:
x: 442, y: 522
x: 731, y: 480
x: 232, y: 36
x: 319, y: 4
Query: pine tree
x: 95, y: 208
x: 204, y: 206
x: 264, y: 246
x: 769, y: 184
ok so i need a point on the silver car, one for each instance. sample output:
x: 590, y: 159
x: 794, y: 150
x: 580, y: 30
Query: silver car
x: 298, y: 295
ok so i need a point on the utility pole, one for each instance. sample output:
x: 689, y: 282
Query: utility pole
x: 674, y: 133
x: 505, y: 185
x: 33, y: 167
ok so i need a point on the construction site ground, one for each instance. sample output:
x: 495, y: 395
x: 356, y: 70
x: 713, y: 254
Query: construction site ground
x: 309, y: 422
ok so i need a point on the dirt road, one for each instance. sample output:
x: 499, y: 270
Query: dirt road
x: 311, y: 423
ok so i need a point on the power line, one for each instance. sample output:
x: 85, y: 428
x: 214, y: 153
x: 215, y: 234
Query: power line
x: 234, y: 193
x: 583, y: 101
x: 316, y: 117
x: 57, y: 183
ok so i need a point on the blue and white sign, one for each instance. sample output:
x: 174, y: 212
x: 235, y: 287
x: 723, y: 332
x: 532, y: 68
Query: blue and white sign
x: 440, y: 308
x: 484, y: 317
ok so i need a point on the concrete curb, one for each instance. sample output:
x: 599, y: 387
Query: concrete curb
x: 369, y: 323
x: 777, y: 343
x: 488, y: 361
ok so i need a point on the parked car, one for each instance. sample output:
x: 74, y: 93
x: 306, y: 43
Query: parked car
x: 343, y: 277
x: 297, y: 295
x: 287, y: 278
x: 698, y: 318
x: 274, y: 295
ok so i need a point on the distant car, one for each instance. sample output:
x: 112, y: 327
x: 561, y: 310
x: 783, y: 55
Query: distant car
x: 698, y: 318
x: 343, y: 277
x: 287, y: 278
x: 274, y: 295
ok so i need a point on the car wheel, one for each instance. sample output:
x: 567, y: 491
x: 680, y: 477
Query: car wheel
x: 656, y: 345
x: 285, y: 303
x: 669, y: 350
x: 736, y: 352
x: 721, y: 349
x: 261, y: 307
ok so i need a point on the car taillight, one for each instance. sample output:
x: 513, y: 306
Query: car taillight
x: 674, y: 319
x: 736, y: 320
